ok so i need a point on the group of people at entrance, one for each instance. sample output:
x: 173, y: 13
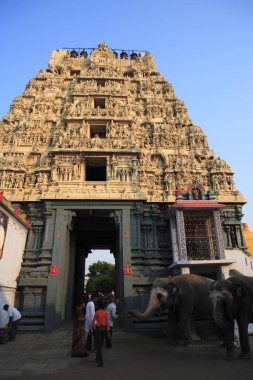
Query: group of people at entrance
x: 93, y: 326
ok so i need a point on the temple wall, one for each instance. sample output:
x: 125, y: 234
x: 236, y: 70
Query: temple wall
x: 10, y: 263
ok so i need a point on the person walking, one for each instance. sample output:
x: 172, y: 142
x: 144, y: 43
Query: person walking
x: 100, y: 326
x: 78, y: 339
x: 112, y: 313
x: 90, y: 312
x: 14, y: 319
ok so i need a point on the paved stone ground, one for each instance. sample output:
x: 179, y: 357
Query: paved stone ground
x: 133, y: 356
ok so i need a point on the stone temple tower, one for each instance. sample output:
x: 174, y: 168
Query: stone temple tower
x: 100, y: 153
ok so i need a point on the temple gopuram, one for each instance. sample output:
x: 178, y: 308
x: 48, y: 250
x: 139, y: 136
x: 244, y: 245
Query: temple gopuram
x: 99, y: 153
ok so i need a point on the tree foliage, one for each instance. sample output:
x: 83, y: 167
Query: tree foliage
x: 101, y: 277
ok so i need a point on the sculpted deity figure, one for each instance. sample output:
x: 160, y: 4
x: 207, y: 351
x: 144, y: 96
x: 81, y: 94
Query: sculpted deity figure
x: 113, y: 165
x: 216, y: 185
x: 109, y: 102
x: 134, y: 170
x: 31, y: 180
x: 168, y: 183
x: 83, y: 131
x: 230, y: 182
x: 77, y: 170
x: 96, y: 141
x: 196, y: 193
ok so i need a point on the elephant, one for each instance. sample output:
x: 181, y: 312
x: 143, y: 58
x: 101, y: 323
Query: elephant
x: 185, y: 297
x: 232, y: 299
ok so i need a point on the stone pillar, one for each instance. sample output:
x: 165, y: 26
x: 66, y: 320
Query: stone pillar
x: 154, y: 216
x: 126, y: 260
x: 30, y: 239
x: 223, y: 272
x: 116, y: 215
x: 228, y: 238
x: 46, y: 251
x: 240, y: 237
x: 147, y: 228
x: 219, y: 235
x: 56, y: 289
x: 184, y: 270
x: 138, y: 214
x: 181, y: 235
x: 174, y: 240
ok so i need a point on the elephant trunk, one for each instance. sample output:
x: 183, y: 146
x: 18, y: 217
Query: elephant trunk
x: 156, y: 298
x: 143, y: 316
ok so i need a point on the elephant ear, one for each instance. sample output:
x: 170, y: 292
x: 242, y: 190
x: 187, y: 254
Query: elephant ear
x: 161, y: 294
x: 245, y: 282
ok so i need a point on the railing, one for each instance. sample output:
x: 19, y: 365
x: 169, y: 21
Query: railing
x: 201, y: 248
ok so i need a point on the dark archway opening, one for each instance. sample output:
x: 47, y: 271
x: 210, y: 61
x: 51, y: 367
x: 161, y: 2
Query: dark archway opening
x: 93, y: 230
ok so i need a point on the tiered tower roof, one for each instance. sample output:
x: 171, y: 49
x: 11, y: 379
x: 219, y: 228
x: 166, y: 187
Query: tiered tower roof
x: 105, y: 126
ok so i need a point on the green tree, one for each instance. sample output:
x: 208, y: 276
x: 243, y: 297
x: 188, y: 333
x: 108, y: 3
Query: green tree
x: 101, y: 277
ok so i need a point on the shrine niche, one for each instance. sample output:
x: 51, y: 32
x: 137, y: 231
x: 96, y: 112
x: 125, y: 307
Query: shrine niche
x: 100, y: 139
x: 196, y: 192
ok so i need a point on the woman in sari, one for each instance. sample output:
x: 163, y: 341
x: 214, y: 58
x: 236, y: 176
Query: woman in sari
x: 78, y: 340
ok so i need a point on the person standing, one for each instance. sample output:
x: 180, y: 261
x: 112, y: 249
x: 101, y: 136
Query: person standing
x: 112, y: 313
x: 14, y: 319
x: 78, y: 340
x: 90, y: 312
x: 100, y: 326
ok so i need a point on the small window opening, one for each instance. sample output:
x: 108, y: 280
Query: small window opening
x: 75, y: 72
x: 95, y: 169
x: 101, y: 82
x: 98, y: 131
x: 127, y: 74
x: 99, y: 102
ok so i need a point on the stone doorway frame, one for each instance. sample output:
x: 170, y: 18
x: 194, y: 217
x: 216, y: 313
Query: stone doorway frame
x: 57, y: 239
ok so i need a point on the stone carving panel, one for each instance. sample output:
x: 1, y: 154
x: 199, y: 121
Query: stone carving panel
x: 144, y: 132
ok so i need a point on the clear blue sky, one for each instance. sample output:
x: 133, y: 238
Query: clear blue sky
x: 202, y: 47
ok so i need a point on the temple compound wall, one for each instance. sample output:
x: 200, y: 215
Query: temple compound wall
x: 13, y: 233
x: 100, y: 153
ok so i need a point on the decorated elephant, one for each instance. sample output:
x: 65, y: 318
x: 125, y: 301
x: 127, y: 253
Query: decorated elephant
x: 232, y: 299
x: 186, y: 297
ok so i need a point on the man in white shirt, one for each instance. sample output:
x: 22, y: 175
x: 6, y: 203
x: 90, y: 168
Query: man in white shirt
x: 90, y: 312
x: 14, y: 319
x: 111, y: 310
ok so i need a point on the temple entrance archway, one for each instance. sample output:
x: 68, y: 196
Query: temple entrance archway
x: 93, y: 230
x: 79, y: 229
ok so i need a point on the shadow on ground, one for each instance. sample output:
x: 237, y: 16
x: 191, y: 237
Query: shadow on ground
x: 133, y: 356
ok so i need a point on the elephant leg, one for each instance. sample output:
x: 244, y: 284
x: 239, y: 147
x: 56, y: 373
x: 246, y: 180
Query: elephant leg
x: 228, y: 334
x: 185, y: 321
x: 244, y: 341
x: 172, y: 329
x: 185, y: 309
x: 243, y: 321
